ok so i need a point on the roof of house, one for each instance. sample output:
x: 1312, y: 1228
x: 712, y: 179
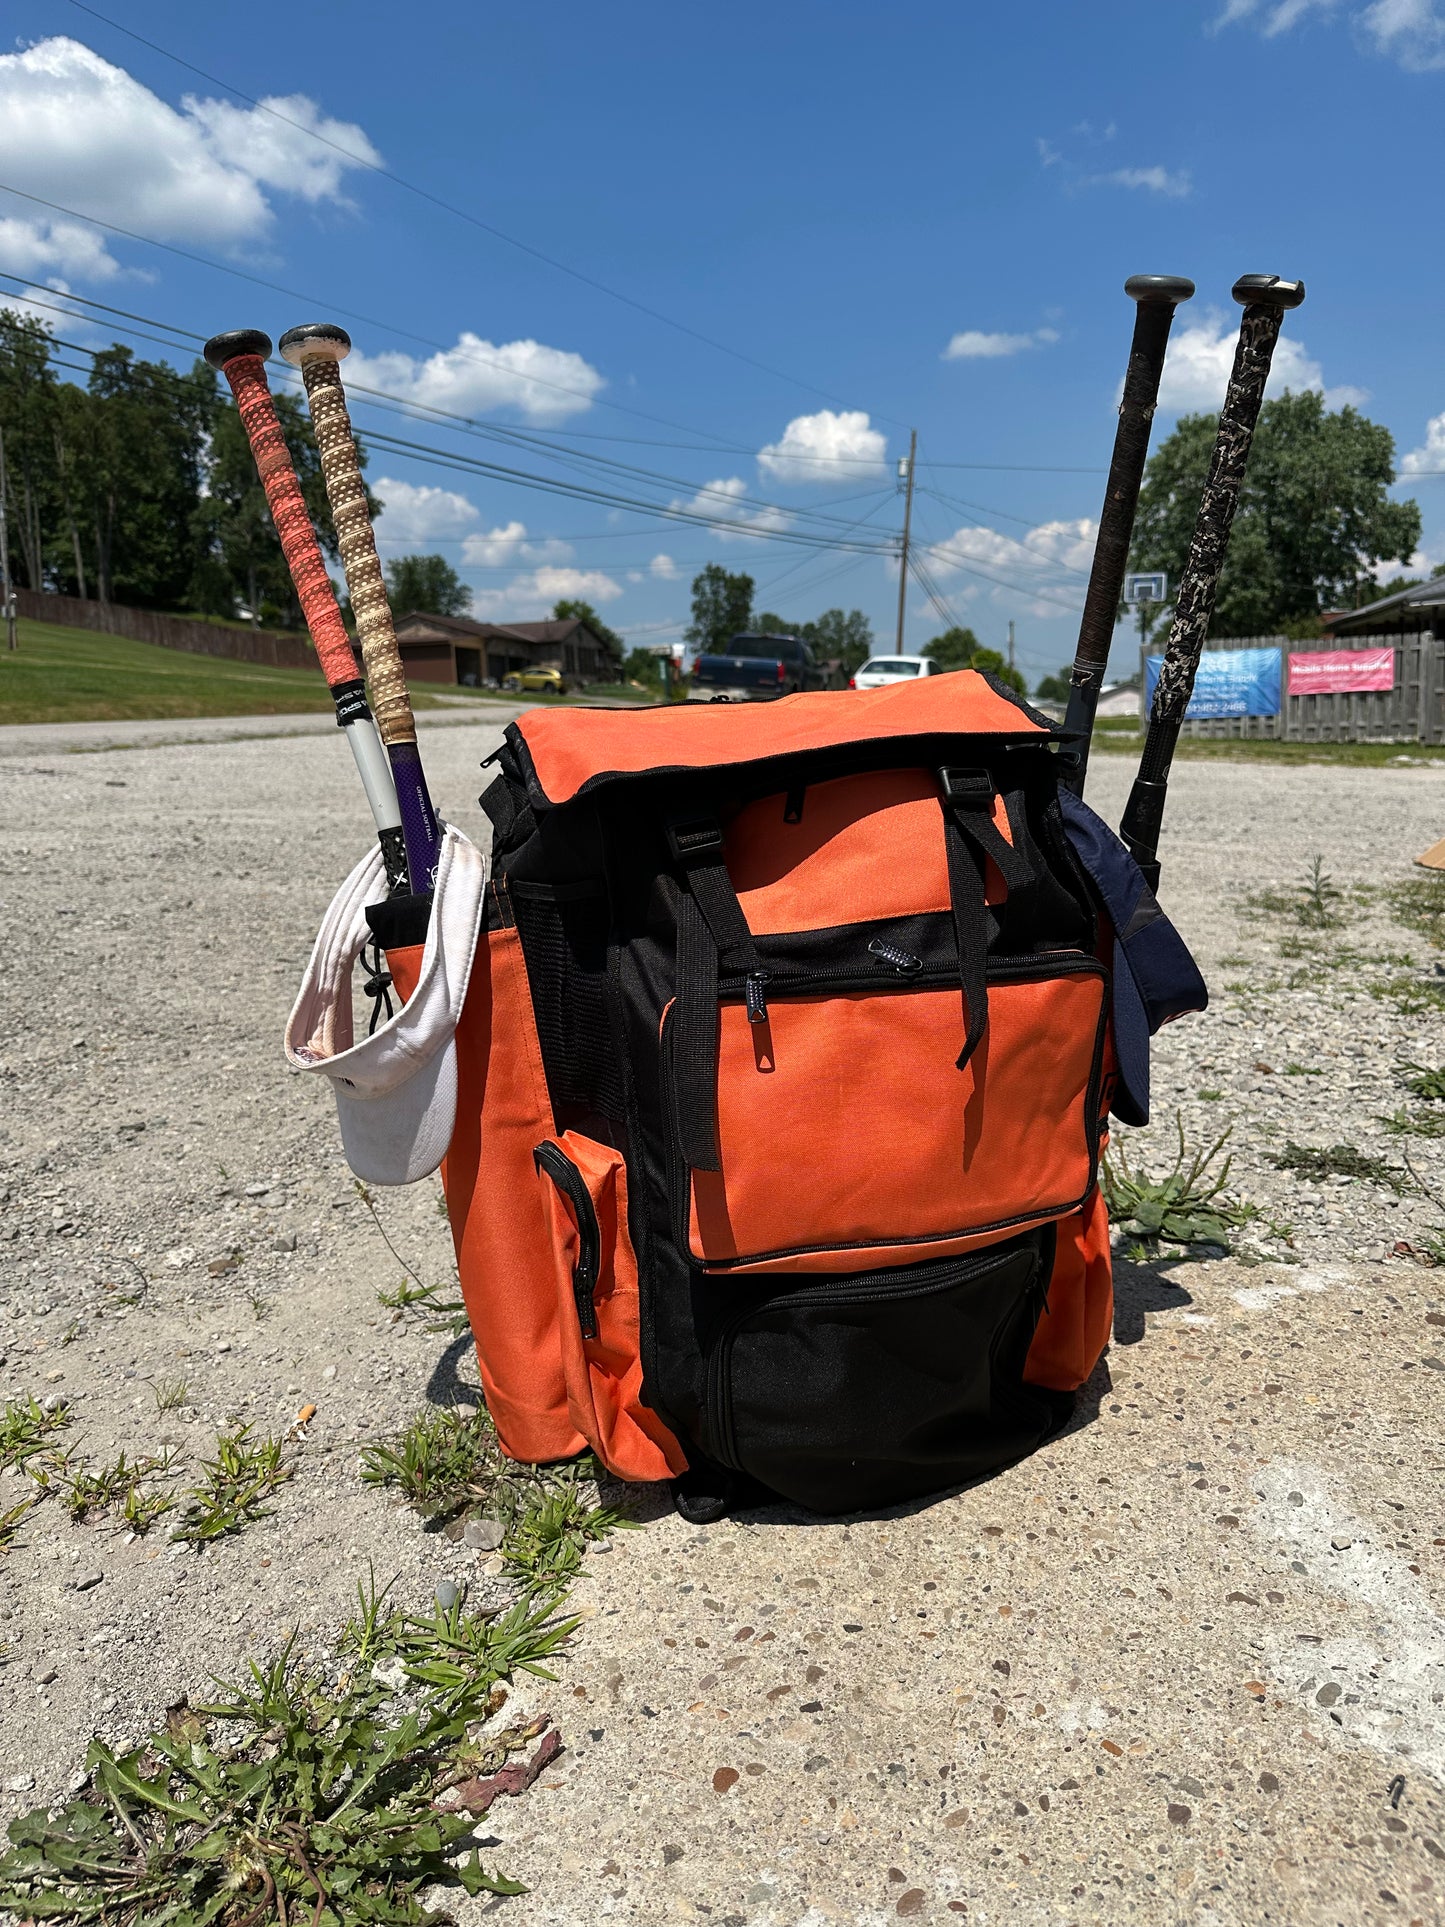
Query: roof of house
x: 553, y: 630
x: 1401, y: 611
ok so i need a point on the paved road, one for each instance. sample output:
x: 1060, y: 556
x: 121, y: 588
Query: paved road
x: 60, y: 739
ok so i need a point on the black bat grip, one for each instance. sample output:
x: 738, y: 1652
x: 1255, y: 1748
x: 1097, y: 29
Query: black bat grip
x: 1266, y: 299
x: 1157, y: 296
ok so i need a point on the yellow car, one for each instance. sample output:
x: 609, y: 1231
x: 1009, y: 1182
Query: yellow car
x: 541, y: 680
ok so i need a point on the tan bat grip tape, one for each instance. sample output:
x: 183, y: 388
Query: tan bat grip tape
x: 346, y: 492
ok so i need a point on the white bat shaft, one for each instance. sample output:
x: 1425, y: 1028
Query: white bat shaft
x: 375, y: 772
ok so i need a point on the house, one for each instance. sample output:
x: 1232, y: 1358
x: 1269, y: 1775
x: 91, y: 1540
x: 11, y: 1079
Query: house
x: 1409, y: 613
x: 454, y: 649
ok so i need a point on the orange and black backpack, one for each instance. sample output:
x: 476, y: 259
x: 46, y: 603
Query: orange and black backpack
x: 783, y: 1077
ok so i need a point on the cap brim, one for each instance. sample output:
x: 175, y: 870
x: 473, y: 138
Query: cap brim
x: 401, y: 1134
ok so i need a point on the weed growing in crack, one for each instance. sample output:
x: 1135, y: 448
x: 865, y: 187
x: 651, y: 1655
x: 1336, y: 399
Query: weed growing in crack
x: 1320, y: 1162
x: 1188, y: 1204
x: 233, y: 1485
x: 25, y: 1428
x: 547, y: 1537
x: 296, y: 1797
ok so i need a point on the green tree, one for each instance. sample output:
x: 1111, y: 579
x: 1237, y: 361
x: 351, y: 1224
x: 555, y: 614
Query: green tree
x: 954, y: 649
x: 1314, y: 516
x: 29, y: 411
x: 640, y: 665
x: 239, y: 559
x: 722, y: 606
x: 1054, y: 688
x: 844, y: 636
x: 427, y: 583
x: 960, y: 648
x: 573, y: 606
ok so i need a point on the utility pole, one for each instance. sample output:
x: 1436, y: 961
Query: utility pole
x: 9, y: 593
x: 1010, y: 643
x: 907, y: 528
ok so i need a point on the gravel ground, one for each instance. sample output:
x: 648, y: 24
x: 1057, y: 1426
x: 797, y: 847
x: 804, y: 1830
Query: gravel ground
x: 1169, y: 1669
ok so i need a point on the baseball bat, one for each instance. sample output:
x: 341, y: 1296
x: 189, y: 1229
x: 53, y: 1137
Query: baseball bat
x: 241, y: 358
x: 1265, y: 298
x: 1156, y: 296
x: 318, y: 350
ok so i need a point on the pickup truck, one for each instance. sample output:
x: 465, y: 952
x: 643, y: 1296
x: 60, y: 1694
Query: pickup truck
x: 755, y: 669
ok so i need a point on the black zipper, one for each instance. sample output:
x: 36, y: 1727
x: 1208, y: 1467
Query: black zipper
x: 552, y: 1159
x: 786, y: 984
x: 879, y: 1287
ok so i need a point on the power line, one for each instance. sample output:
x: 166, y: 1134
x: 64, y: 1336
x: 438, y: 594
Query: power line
x: 463, y: 214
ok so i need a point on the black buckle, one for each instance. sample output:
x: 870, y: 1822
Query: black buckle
x: 698, y: 838
x: 967, y: 789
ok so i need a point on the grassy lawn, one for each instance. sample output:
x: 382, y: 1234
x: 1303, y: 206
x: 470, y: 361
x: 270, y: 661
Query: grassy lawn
x: 1126, y: 742
x: 60, y: 675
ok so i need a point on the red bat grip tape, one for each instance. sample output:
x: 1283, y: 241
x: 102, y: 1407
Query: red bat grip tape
x: 247, y: 377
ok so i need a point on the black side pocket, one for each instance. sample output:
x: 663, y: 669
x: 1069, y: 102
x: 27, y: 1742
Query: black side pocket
x: 859, y: 1391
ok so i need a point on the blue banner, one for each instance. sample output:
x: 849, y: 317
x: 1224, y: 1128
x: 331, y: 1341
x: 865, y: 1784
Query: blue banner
x: 1231, y: 682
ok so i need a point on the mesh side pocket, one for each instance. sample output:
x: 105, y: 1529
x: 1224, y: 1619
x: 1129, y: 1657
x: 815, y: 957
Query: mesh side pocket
x: 564, y: 942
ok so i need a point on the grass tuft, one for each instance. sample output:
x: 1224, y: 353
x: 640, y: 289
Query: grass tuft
x: 233, y: 1485
x: 1320, y: 1162
x: 84, y: 1493
x: 1425, y: 1082
x: 442, y: 1462
x: 26, y: 1427
x: 295, y: 1798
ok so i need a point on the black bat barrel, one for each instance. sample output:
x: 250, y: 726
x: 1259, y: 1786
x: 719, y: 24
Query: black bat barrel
x: 1157, y: 296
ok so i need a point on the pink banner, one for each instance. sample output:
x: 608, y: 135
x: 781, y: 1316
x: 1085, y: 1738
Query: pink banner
x: 1333, y: 672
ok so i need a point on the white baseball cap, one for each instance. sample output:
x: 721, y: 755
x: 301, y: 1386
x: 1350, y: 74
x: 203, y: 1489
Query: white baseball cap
x: 396, y: 1091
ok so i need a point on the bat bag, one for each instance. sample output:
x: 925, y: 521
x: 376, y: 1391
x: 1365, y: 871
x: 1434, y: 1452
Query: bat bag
x: 775, y: 1087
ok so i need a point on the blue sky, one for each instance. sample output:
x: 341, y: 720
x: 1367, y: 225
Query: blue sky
x: 918, y: 215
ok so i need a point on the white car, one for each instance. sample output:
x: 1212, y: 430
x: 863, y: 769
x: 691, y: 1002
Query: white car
x: 879, y: 671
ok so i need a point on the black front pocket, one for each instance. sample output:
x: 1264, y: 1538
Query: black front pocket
x: 860, y: 1391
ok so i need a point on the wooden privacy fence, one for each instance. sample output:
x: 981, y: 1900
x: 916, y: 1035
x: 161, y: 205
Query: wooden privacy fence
x: 235, y: 643
x: 1412, y: 712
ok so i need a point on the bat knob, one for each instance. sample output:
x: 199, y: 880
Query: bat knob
x: 1159, y: 287
x: 316, y: 338
x: 240, y: 341
x: 1268, y: 290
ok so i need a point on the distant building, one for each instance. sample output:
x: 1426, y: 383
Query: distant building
x: 454, y: 649
x: 1410, y: 613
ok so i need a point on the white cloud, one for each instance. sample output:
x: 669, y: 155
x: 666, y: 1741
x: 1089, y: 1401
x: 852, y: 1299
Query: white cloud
x: 1410, y: 32
x: 664, y: 568
x: 495, y: 548
x: 1431, y: 453
x: 533, y: 594
x: 544, y: 384
x: 1157, y: 180
x: 35, y: 248
x: 825, y: 447
x: 75, y: 129
x: 413, y: 516
x: 280, y: 155
x: 974, y: 345
x: 1196, y: 371
x: 417, y: 517
x: 724, y: 500
x: 1049, y: 557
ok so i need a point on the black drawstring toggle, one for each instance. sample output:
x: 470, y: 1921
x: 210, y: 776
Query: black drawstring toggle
x: 378, y: 985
